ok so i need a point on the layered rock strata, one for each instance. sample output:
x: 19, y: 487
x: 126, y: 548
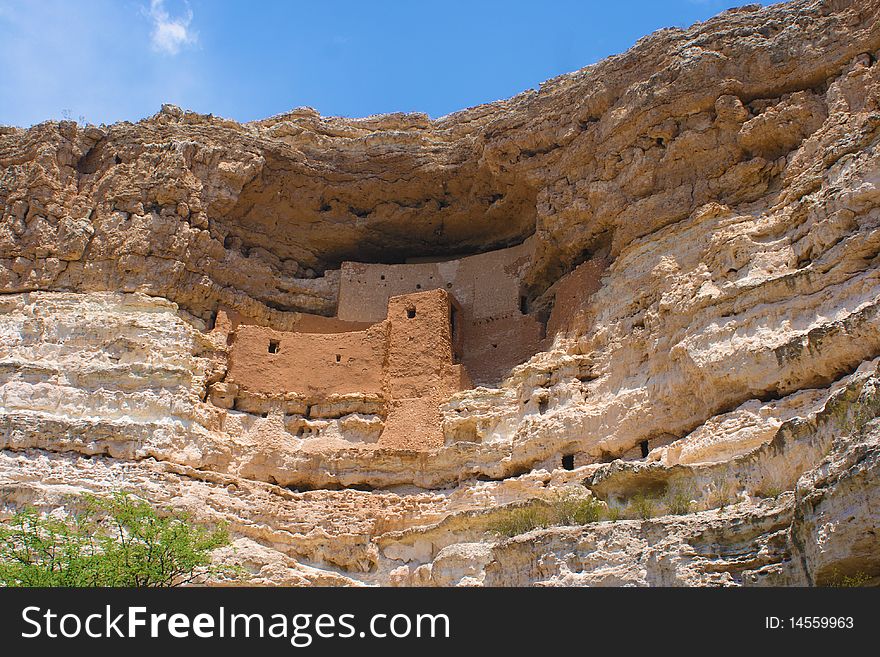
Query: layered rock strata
x: 705, y: 215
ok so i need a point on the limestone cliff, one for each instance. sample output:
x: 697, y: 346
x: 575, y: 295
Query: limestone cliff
x: 703, y: 215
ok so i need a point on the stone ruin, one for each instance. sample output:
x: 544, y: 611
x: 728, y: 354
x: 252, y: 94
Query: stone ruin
x: 404, y: 338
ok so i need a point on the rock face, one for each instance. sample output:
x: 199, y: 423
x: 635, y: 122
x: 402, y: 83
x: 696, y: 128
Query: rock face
x: 703, y: 220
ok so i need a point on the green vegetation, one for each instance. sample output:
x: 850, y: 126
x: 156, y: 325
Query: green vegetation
x: 865, y: 409
x: 572, y: 507
x: 115, y: 541
x: 854, y: 416
x: 849, y: 581
x: 769, y: 491
x: 521, y: 520
x: 568, y: 507
x: 679, y: 501
x: 721, y: 495
x: 643, y: 507
x: 612, y: 514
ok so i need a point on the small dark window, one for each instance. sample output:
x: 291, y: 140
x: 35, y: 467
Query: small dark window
x: 264, y: 414
x: 524, y: 305
x: 494, y: 346
x: 644, y: 446
x: 273, y: 346
x: 418, y: 286
x: 410, y: 313
x: 382, y: 277
x: 338, y: 357
x: 568, y: 461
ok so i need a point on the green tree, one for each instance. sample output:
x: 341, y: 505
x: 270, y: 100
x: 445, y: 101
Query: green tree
x: 114, y: 541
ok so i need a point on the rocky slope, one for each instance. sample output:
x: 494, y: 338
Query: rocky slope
x: 730, y: 175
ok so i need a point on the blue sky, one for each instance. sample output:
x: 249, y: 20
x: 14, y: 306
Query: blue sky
x: 107, y: 61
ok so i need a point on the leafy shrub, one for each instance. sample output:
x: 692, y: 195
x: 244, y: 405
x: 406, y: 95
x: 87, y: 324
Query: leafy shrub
x: 115, y: 541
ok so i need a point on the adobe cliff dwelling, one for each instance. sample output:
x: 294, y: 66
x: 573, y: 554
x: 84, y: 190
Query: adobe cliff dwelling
x: 405, y: 337
x: 380, y: 348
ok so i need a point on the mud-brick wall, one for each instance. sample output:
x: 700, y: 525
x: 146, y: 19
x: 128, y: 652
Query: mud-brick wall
x: 419, y: 371
x: 315, y: 365
x: 493, y: 335
x: 419, y: 343
x: 572, y: 294
x: 407, y: 359
x: 492, y: 346
x: 228, y: 320
x: 486, y: 285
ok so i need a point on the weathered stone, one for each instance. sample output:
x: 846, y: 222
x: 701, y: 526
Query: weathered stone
x: 671, y: 252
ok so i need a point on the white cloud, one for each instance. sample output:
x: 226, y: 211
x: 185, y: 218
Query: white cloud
x: 170, y: 34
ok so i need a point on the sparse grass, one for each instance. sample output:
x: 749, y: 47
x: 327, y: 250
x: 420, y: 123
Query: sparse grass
x: 679, y: 500
x: 612, y: 514
x: 568, y: 507
x: 768, y: 491
x: 572, y: 507
x: 721, y: 494
x: 642, y: 506
x: 855, y: 580
x: 521, y: 520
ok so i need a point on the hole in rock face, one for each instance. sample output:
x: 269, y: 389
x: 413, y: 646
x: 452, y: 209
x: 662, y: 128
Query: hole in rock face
x: 568, y: 461
x: 644, y: 446
x: 264, y: 414
x: 382, y: 277
x: 418, y: 286
x: 274, y: 345
x: 338, y: 357
x: 410, y: 313
x: 524, y: 305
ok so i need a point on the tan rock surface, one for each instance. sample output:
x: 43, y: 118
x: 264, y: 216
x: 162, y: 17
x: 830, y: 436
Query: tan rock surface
x: 716, y: 191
